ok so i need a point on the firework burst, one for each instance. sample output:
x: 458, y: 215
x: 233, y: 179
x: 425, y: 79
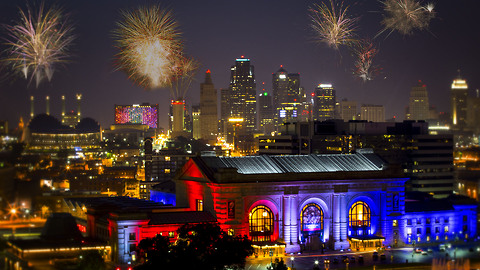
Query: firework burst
x: 405, y: 16
x: 38, y: 42
x: 332, y: 25
x: 150, y: 46
x: 183, y: 71
x: 365, y: 51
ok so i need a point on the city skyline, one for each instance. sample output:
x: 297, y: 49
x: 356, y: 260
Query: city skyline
x: 217, y: 33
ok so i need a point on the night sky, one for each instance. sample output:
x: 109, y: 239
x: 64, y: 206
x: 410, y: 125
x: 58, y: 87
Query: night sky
x: 270, y: 33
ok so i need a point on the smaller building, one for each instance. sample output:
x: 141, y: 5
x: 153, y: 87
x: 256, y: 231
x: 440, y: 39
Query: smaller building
x: 124, y: 222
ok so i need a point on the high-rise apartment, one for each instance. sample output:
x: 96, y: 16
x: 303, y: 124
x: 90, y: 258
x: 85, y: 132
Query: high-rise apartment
x: 458, y: 99
x: 324, y: 103
x: 419, y: 108
x: 208, y: 110
x: 243, y: 93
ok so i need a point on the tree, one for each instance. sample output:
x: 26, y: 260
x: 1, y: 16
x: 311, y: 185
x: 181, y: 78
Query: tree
x: 91, y: 260
x: 277, y: 265
x: 199, y: 246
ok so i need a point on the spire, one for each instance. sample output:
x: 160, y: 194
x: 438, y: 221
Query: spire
x: 208, y: 77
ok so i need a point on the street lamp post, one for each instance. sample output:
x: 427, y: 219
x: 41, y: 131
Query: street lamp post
x: 292, y: 258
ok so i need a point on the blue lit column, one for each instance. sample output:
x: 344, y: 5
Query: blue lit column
x: 336, y: 221
x: 294, y: 223
x: 343, y: 221
x: 291, y: 222
x: 286, y: 219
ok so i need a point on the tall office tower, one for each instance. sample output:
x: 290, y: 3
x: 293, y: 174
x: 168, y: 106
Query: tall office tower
x: 32, y: 101
x: 47, y: 103
x: 178, y: 118
x: 265, y: 113
x: 348, y: 110
x: 286, y: 95
x: 208, y: 110
x: 79, y: 100
x: 419, y: 108
x: 458, y: 99
x: 324, y: 102
x: 196, y: 122
x: 372, y: 113
x: 243, y: 93
x: 225, y: 109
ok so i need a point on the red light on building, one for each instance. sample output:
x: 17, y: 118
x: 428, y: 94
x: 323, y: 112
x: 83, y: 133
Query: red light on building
x: 313, y: 94
x: 208, y: 70
x: 82, y: 228
x: 177, y: 102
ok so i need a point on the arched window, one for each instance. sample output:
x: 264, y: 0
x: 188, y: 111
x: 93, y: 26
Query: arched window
x: 312, y: 218
x: 261, y: 223
x: 359, y: 218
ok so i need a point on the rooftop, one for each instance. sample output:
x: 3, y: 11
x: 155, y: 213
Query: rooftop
x: 297, y: 163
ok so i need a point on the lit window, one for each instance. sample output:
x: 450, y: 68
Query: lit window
x: 395, y: 223
x: 231, y: 232
x: 359, y: 218
x: 261, y: 223
x: 167, y: 170
x: 409, y: 231
x: 428, y: 238
x: 171, y: 234
x: 418, y: 239
x: 167, y: 158
x: 199, y: 205
x: 446, y: 229
x: 311, y: 218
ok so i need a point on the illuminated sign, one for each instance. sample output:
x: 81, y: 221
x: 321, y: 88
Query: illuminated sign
x: 282, y: 76
x: 137, y: 114
x: 235, y: 120
x: 325, y: 85
x: 283, y: 113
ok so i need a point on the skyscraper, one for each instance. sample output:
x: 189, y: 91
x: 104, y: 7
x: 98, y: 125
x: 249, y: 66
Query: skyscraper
x: 324, y: 106
x: 265, y: 113
x: 243, y: 93
x: 458, y: 99
x: 372, y: 113
x: 225, y: 109
x: 243, y: 105
x: 348, y: 110
x: 196, y: 118
x: 286, y: 95
x: 419, y: 108
x: 208, y: 110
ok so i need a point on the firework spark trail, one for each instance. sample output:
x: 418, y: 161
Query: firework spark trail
x: 332, y: 25
x: 365, y: 52
x: 184, y: 70
x: 405, y: 16
x: 150, y: 45
x: 38, y: 42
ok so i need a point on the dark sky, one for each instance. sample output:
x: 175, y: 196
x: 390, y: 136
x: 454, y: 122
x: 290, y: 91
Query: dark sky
x: 270, y: 33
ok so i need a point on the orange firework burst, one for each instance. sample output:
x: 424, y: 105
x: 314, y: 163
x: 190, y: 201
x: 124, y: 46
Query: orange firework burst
x: 150, y: 44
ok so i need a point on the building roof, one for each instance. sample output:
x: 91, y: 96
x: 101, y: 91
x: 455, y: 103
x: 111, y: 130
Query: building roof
x: 118, y: 204
x: 181, y: 217
x: 296, y: 163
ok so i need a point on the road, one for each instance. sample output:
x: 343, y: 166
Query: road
x: 394, y: 256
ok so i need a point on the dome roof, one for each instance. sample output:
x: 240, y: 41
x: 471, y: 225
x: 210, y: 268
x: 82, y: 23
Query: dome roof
x: 44, y: 123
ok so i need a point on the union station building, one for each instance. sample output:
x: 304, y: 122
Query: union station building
x: 310, y: 202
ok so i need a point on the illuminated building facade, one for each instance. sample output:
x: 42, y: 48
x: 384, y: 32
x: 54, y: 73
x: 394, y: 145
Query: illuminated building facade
x: 458, y: 100
x: 144, y: 114
x: 243, y: 94
x: 286, y: 95
x: 208, y: 110
x: 372, y: 113
x: 324, y: 102
x: 124, y: 222
x: 178, y: 118
x: 265, y: 113
x: 348, y: 110
x: 418, y: 106
x: 196, y: 125
x: 293, y: 203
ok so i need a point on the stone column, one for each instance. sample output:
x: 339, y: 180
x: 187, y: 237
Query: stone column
x: 286, y: 219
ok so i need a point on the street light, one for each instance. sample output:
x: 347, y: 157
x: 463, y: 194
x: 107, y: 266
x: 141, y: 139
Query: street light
x: 292, y: 258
